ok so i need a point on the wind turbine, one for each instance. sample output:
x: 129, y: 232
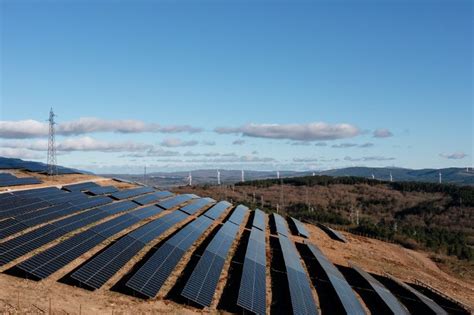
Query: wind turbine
x: 373, y: 176
x: 243, y: 176
x: 190, y: 178
x: 278, y: 174
x: 391, y: 177
x: 440, y: 180
x: 218, y: 177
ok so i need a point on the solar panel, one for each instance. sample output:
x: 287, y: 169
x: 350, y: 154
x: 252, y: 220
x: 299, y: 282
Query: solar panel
x: 239, y: 214
x: 302, y: 301
x: 10, y: 226
x: 51, y: 260
x: 217, y: 210
x: 149, y: 279
x: 346, y: 295
x: 23, y: 244
x: 252, y: 291
x: 432, y: 305
x: 202, y: 283
x: 146, y: 212
x: 300, y: 228
x: 390, y: 301
x: 154, y: 197
x: 176, y: 201
x: 332, y: 233
x: 117, y: 207
x: 19, y: 209
x: 196, y: 205
x: 102, y: 267
x: 7, y: 179
x: 280, y: 224
x: 259, y: 220
x: 80, y: 186
x: 102, y: 190
x: 128, y: 193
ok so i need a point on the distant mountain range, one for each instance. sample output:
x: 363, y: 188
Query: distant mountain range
x: 459, y: 176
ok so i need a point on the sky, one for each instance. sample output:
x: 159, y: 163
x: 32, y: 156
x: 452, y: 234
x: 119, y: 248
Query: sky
x: 261, y: 85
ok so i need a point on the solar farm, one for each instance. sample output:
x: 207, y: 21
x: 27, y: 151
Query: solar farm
x: 158, y: 251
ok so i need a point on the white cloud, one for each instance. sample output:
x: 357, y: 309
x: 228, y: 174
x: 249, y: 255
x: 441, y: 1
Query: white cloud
x: 352, y: 145
x: 382, y: 133
x: 305, y: 160
x: 304, y: 132
x: 369, y: 159
x: 210, y: 143
x: 454, y: 156
x: 238, y: 142
x: 23, y: 129
x: 174, y: 142
x: 320, y: 144
x: 301, y: 143
x: 21, y: 153
x: 91, y: 144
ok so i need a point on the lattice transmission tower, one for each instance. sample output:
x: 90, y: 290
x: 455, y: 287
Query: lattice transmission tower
x: 52, y: 162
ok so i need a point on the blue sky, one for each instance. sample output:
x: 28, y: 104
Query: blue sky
x: 294, y: 84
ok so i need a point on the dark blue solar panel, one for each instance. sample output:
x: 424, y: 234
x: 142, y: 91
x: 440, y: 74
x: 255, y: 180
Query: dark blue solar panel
x: 239, y: 214
x: 153, y: 229
x: 202, y: 283
x: 384, y: 294
x: 150, y: 198
x: 45, y: 263
x: 102, y: 190
x: 54, y: 258
x: 117, y: 207
x: 217, y: 210
x: 146, y: 212
x: 432, y: 305
x: 79, y: 220
x: 346, y: 295
x: 252, y: 291
x: 301, y: 296
x: 259, y: 220
x: 300, y: 228
x: 196, y: 205
x: 23, y: 244
x: 152, y: 275
x: 7, y: 179
x: 80, y: 186
x: 124, y: 194
x: 280, y: 225
x: 332, y: 233
x: 176, y: 201
x: 103, y: 266
x: 10, y: 226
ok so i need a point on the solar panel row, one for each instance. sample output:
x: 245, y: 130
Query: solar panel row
x: 11, y: 163
x: 30, y: 219
x: 429, y: 303
x: 176, y: 201
x: 217, y: 210
x: 332, y: 233
x: 54, y: 258
x: 194, y: 206
x: 102, y: 190
x: 80, y: 186
x: 280, y: 224
x: 153, y: 197
x: 259, y: 220
x: 343, y: 290
x: 202, y: 283
x: 300, y: 228
x: 19, y: 246
x: 7, y: 179
x: 302, y: 301
x: 102, y: 267
x: 239, y: 214
x: 252, y: 291
x: 149, y: 279
x: 389, y: 300
x: 128, y: 193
